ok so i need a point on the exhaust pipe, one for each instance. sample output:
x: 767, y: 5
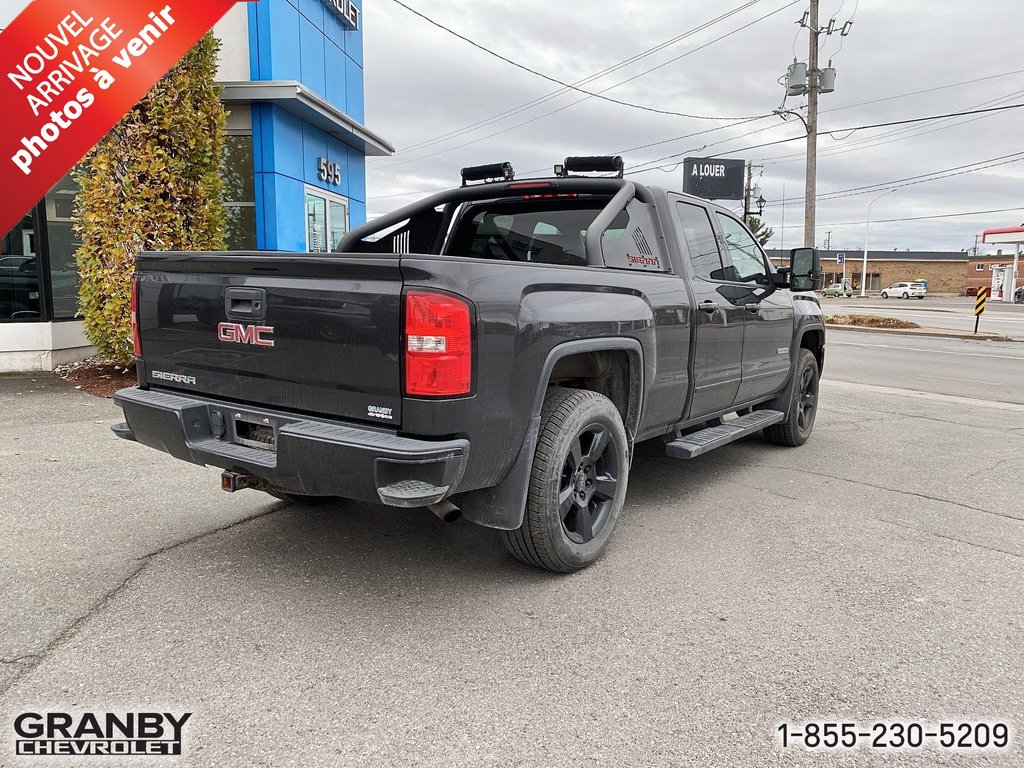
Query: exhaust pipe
x: 445, y: 511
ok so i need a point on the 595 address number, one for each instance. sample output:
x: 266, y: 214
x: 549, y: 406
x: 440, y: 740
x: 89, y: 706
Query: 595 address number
x: 896, y: 735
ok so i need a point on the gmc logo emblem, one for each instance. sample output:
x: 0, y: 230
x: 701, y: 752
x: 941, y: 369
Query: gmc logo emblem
x: 245, y: 334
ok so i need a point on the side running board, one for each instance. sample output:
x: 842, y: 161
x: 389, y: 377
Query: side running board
x: 697, y: 443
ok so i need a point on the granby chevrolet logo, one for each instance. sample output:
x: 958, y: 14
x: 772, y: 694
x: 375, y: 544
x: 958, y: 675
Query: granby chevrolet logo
x: 246, y: 334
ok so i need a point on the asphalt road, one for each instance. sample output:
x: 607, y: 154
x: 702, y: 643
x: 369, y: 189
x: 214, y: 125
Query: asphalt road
x: 937, y: 312
x: 874, y: 574
x: 983, y: 370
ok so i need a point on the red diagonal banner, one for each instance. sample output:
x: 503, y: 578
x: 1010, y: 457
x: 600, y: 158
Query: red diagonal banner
x: 70, y: 69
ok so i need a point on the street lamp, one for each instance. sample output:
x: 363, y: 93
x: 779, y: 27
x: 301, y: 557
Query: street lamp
x: 761, y: 202
x: 867, y: 231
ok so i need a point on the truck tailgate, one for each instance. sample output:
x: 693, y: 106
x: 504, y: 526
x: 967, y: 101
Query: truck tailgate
x: 308, y: 333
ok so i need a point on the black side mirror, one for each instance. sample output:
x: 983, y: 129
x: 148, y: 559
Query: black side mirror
x: 804, y: 269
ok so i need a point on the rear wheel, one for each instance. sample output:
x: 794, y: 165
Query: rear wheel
x: 905, y: 295
x: 577, y: 484
x: 803, y: 405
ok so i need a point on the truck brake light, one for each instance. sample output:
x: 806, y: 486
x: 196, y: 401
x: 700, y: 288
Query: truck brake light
x: 439, y: 345
x: 136, y: 339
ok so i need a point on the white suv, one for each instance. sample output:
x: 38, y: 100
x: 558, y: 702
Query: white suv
x: 905, y: 291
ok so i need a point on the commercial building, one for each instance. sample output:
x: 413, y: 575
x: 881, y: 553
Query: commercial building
x: 944, y: 270
x: 294, y: 166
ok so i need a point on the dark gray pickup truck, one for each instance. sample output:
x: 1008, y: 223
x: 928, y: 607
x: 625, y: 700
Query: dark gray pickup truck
x: 495, y: 350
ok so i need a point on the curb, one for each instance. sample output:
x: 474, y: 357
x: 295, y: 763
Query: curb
x: 931, y: 332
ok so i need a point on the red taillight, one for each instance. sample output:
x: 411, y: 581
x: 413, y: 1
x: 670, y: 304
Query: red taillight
x: 136, y: 340
x: 438, y: 345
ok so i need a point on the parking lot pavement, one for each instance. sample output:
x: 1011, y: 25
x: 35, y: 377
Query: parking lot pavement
x: 874, y: 574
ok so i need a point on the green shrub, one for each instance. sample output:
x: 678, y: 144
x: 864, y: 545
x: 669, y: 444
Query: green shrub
x: 153, y: 183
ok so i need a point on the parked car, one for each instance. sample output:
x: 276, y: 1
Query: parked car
x: 836, y: 289
x: 522, y: 343
x: 905, y: 291
x: 1018, y: 295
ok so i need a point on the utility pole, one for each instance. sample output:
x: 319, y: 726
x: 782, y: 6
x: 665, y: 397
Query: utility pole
x: 749, y: 190
x: 811, y: 178
x: 746, y: 195
x: 828, y: 240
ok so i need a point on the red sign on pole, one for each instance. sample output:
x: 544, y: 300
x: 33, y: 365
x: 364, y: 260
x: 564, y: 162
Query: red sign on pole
x: 70, y: 69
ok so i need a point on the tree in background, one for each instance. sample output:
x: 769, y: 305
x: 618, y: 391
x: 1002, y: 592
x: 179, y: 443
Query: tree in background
x: 152, y: 183
x: 762, y: 233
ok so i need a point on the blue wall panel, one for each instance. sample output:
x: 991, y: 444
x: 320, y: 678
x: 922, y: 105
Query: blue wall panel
x: 311, y: 55
x: 354, y: 96
x: 302, y: 40
x: 335, y: 66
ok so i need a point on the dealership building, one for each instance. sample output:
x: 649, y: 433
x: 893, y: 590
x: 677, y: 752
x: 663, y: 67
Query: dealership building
x: 294, y: 166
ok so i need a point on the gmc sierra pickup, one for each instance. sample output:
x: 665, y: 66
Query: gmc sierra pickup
x: 495, y: 350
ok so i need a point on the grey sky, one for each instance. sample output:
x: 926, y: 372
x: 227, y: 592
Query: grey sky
x: 422, y: 83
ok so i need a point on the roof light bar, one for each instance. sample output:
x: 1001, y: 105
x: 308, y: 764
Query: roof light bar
x: 597, y: 164
x: 492, y: 172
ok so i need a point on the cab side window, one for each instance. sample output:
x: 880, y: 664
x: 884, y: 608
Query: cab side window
x: 699, y: 239
x: 748, y: 264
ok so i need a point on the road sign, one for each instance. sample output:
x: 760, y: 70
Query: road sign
x: 840, y: 258
x: 979, y: 304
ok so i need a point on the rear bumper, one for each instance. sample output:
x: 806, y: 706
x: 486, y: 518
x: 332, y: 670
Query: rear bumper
x: 309, y: 456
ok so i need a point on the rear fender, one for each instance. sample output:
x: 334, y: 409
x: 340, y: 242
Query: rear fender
x: 502, y: 506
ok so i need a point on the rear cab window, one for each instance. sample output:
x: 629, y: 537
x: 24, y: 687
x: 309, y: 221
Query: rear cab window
x: 554, y: 232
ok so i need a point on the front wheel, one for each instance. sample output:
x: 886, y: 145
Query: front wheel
x: 885, y: 295
x: 577, y: 484
x: 905, y: 295
x: 803, y: 405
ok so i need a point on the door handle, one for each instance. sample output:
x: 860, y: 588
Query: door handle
x: 752, y: 307
x: 245, y: 303
x: 708, y: 306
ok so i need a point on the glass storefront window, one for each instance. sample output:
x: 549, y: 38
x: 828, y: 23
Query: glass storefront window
x: 326, y: 221
x: 19, y: 273
x: 62, y: 243
x: 239, y: 192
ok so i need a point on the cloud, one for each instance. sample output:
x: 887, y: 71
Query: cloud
x: 422, y: 83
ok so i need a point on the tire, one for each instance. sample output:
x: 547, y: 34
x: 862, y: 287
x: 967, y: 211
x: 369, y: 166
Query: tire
x: 885, y: 295
x: 905, y: 295
x: 299, y: 499
x: 558, y: 532
x: 803, y: 405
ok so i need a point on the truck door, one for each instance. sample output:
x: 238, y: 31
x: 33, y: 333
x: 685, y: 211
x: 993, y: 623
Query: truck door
x: 718, y: 343
x: 768, y: 320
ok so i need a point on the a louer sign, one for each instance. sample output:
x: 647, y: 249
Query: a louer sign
x: 70, y: 69
x: 714, y: 178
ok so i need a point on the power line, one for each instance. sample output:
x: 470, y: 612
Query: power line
x: 925, y: 90
x: 590, y: 78
x: 922, y: 178
x: 598, y: 94
x: 654, y: 163
x: 562, y: 83
x: 900, y: 134
x: 959, y: 214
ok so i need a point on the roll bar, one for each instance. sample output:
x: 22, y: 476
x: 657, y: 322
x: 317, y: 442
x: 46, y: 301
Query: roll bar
x: 623, y: 192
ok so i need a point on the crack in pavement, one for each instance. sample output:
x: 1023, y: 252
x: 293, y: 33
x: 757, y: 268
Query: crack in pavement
x: 864, y: 483
x: 948, y: 538
x: 68, y: 633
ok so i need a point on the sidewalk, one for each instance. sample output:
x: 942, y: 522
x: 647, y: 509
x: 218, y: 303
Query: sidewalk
x: 944, y: 333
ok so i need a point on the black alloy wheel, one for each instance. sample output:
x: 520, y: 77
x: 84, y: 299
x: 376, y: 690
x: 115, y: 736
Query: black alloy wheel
x: 589, y: 482
x: 803, y: 404
x: 808, y: 401
x: 577, y: 482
